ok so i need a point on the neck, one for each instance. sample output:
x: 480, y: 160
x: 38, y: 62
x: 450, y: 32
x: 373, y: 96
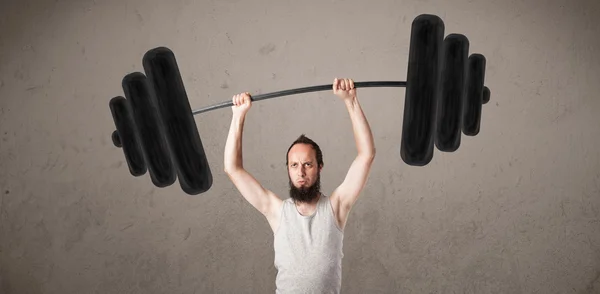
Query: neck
x: 314, y: 201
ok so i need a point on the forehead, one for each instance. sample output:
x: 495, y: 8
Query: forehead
x: 302, y: 152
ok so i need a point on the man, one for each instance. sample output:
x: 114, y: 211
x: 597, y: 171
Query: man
x: 309, y: 226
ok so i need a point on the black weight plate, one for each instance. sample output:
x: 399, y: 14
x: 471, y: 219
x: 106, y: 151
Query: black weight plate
x: 422, y: 89
x: 126, y: 133
x: 180, y: 127
x: 148, y: 122
x: 486, y: 95
x: 449, y: 112
x: 474, y: 98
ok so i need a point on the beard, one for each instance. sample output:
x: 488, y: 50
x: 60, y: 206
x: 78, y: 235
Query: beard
x: 305, y: 194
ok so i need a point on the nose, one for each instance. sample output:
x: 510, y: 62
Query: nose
x: 301, y: 172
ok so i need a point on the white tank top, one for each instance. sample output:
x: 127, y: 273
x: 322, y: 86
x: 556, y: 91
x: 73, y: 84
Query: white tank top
x: 308, y: 250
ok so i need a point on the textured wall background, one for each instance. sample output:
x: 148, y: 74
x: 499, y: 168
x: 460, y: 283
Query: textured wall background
x: 515, y: 210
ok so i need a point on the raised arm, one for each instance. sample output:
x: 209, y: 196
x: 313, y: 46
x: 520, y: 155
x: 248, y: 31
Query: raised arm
x: 262, y: 199
x: 348, y: 192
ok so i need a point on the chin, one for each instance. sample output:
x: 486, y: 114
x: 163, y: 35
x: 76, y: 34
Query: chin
x: 305, y: 192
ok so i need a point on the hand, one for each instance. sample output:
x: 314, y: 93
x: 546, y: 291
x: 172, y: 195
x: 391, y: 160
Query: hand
x: 241, y: 103
x: 344, y: 88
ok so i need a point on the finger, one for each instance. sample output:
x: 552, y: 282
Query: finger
x: 335, y: 84
x: 351, y: 84
x: 344, y: 86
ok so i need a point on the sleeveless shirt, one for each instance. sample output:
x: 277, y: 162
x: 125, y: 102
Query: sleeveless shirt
x: 308, y: 250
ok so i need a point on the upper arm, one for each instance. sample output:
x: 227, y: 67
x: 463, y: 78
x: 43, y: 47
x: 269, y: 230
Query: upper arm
x: 260, y: 198
x: 348, y: 192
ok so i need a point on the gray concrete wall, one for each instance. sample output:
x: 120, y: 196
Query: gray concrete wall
x: 515, y: 210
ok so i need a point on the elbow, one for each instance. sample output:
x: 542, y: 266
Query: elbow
x: 368, y: 155
x: 229, y: 165
x: 229, y: 170
x: 229, y: 173
x: 370, y: 152
x: 372, y: 156
x: 367, y: 151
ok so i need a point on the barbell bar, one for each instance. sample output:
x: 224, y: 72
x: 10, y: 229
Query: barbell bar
x: 301, y: 91
x: 157, y: 132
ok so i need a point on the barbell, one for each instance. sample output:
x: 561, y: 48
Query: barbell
x: 157, y: 132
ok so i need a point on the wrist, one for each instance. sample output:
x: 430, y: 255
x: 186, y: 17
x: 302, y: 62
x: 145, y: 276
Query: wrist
x: 350, y: 101
x: 239, y: 117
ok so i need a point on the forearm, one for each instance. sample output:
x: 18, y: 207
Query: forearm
x: 233, y: 146
x: 361, y: 128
